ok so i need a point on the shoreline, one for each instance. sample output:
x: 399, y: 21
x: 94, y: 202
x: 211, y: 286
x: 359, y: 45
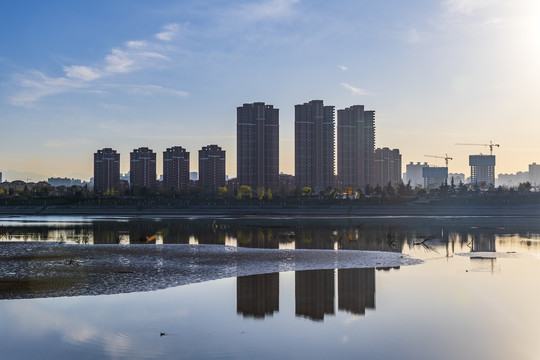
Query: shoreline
x: 277, y: 210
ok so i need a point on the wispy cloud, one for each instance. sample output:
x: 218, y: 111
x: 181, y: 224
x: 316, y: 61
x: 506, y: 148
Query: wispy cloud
x: 131, y: 56
x: 467, y: 7
x: 169, y: 32
x: 459, y: 13
x: 270, y: 9
x: 413, y: 36
x: 354, y: 90
x: 151, y: 90
x: 343, y: 67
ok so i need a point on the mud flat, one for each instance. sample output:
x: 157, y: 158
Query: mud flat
x: 34, y: 270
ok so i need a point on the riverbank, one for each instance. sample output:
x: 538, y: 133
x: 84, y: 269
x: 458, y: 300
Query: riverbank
x: 280, y: 210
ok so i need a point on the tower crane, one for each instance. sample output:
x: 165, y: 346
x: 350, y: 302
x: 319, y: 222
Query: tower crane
x: 446, y: 158
x: 491, y: 145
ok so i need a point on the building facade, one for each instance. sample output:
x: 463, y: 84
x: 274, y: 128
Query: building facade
x: 211, y: 167
x: 434, y: 176
x: 314, y: 145
x: 387, y: 166
x: 414, y: 174
x: 106, y: 170
x: 482, y: 169
x: 257, y: 145
x: 355, y: 147
x: 142, y: 168
x: 176, y: 168
x: 534, y: 174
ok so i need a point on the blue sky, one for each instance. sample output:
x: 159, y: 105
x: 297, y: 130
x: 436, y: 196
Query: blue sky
x: 79, y: 76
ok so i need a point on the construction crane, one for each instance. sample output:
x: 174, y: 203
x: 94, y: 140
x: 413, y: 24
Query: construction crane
x: 491, y: 145
x: 446, y: 158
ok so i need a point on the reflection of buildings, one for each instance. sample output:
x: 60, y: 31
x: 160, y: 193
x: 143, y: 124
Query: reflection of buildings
x: 314, y: 238
x: 257, y: 295
x: 483, y: 242
x: 258, y: 238
x: 314, y: 293
x: 356, y: 290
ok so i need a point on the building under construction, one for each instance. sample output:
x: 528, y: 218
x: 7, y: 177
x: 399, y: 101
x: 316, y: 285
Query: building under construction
x: 482, y: 169
x: 434, y: 176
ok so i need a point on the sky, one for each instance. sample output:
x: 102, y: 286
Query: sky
x: 78, y: 76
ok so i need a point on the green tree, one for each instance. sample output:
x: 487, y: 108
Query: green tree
x: 269, y: 194
x: 221, y: 190
x: 306, y: 191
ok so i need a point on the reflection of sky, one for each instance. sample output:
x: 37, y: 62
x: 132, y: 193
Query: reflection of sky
x: 438, y: 309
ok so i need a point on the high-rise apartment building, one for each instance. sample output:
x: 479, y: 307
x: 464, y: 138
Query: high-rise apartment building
x: 257, y: 144
x: 176, y: 168
x: 356, y: 146
x: 314, y: 145
x: 106, y: 170
x: 211, y: 167
x: 482, y: 169
x: 387, y: 168
x: 142, y: 167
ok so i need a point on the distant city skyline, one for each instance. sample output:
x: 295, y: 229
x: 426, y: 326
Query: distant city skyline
x: 76, y: 77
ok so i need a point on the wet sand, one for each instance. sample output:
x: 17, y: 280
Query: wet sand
x: 35, y: 270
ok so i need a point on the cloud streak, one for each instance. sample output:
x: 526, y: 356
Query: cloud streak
x: 354, y: 90
x: 131, y: 56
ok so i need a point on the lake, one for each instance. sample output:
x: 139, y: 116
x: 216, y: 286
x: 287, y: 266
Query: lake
x: 270, y: 287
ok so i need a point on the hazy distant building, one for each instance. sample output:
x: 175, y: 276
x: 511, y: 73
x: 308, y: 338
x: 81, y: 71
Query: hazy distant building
x: 257, y: 144
x: 314, y: 145
x: 355, y: 147
x: 193, y: 176
x: 106, y: 170
x: 414, y: 174
x: 211, y: 167
x: 534, y: 174
x: 0, y: 177
x: 142, y: 167
x: 513, y: 180
x: 387, y: 166
x: 176, y: 168
x: 57, y: 182
x: 434, y: 177
x: 125, y: 177
x: 458, y: 178
x: 482, y: 169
